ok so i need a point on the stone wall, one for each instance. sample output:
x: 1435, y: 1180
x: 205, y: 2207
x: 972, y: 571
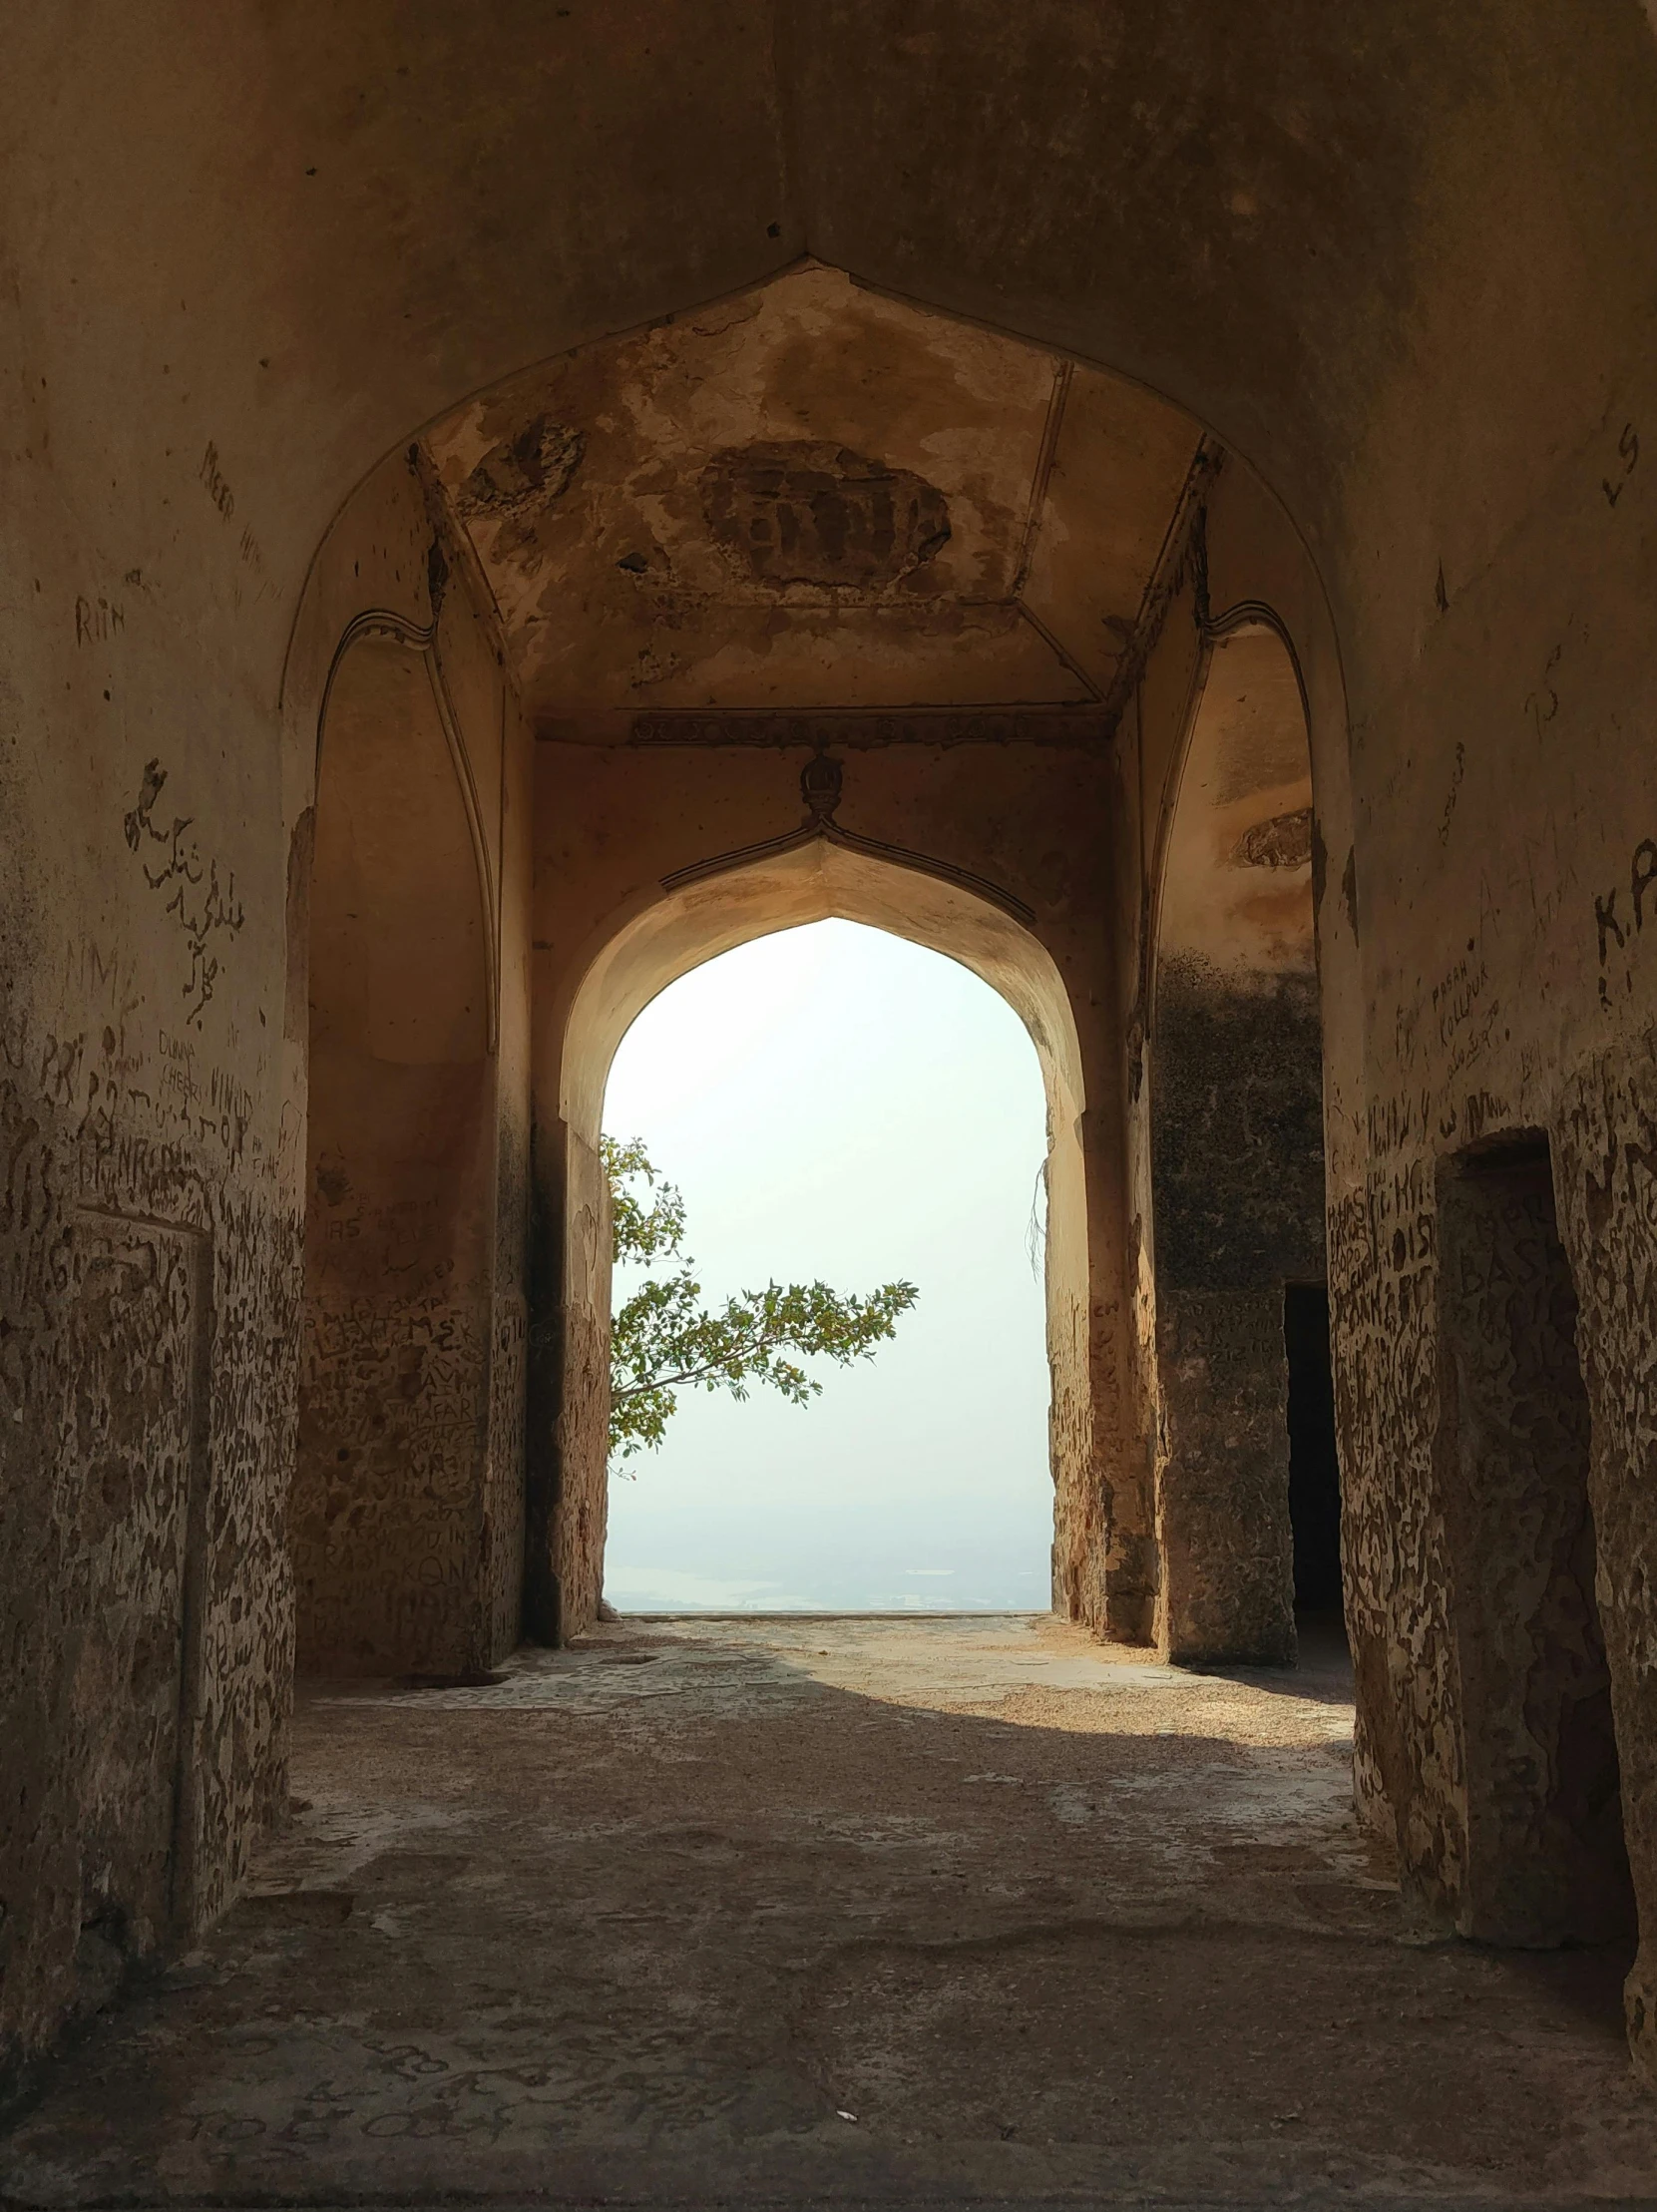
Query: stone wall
x: 1238, y: 1189
x: 1235, y: 1165
x: 394, y: 1387
x: 406, y: 1520
x: 1606, y: 1170
x: 576, y: 1519
x: 149, y: 1292
x: 1399, y: 266
x: 1030, y: 822
x: 1544, y: 1857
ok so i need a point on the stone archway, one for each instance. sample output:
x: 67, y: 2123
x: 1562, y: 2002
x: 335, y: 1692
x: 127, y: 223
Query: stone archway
x: 814, y: 879
x: 261, y: 258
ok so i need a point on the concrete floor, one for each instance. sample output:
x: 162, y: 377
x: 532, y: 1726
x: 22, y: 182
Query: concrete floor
x: 839, y: 1910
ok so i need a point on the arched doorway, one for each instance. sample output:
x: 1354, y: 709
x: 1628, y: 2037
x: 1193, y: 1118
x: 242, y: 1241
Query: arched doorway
x: 839, y: 1104
x: 816, y: 879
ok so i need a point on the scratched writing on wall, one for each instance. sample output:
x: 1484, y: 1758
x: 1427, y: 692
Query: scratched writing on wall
x: 202, y: 904
x: 1620, y: 922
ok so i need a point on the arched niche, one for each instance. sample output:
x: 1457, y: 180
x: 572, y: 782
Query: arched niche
x: 1237, y: 1170
x: 816, y: 881
x: 399, y: 1156
x: 1235, y: 885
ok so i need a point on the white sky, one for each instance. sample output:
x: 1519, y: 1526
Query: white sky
x: 837, y: 1103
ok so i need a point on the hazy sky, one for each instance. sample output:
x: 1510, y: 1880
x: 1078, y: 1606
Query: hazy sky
x: 837, y: 1103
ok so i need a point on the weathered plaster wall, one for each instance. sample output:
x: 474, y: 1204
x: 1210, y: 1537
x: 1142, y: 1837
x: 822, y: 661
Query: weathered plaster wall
x: 809, y: 496
x: 570, y: 1483
x: 507, y: 1440
x: 1236, y: 1109
x: 1543, y: 1854
x: 1401, y: 263
x: 207, y: 334
x: 1480, y: 914
x: 1238, y: 1193
x: 147, y: 1229
x: 1423, y: 1767
x: 406, y: 1520
x: 385, y: 1516
x: 1486, y: 515
x: 1605, y: 1144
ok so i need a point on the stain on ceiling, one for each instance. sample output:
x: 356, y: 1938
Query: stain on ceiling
x: 1237, y: 888
x: 812, y: 496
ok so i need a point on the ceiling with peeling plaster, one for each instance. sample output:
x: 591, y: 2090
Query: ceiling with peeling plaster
x: 808, y: 497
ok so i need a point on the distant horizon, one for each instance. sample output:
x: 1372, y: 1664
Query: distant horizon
x: 836, y: 1102
x: 833, y: 1612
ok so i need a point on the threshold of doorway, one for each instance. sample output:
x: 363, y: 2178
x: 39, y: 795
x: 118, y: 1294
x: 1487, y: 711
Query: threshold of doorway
x: 987, y: 1613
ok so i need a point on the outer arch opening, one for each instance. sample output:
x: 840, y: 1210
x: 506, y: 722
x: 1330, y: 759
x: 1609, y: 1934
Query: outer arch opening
x: 819, y: 881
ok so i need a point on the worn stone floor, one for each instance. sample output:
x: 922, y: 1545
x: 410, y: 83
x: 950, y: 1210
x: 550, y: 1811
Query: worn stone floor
x: 839, y: 1912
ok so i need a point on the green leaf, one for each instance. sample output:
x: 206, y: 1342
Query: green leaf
x: 640, y: 1231
x: 663, y: 1339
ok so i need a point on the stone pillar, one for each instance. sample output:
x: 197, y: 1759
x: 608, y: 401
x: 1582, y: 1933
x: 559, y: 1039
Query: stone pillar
x: 1606, y: 1183
x: 390, y: 1519
x: 1237, y: 1178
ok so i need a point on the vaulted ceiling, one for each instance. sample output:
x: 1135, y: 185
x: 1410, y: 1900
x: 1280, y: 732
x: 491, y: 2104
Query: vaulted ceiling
x: 813, y: 496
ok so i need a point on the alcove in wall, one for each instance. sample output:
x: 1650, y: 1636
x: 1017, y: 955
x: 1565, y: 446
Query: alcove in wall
x: 387, y: 1520
x: 1546, y: 1861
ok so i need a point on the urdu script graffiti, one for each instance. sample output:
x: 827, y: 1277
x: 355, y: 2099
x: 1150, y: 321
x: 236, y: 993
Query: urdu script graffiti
x: 202, y: 904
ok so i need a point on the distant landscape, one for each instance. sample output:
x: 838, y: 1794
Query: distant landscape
x: 837, y: 1103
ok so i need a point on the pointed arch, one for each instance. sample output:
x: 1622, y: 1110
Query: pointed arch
x: 818, y: 880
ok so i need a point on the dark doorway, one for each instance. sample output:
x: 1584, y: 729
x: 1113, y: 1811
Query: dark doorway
x: 1314, y: 1470
x: 1546, y: 1860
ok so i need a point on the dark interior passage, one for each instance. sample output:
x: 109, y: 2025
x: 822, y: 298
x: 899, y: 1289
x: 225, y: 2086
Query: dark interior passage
x: 1545, y: 1856
x: 1314, y: 1470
